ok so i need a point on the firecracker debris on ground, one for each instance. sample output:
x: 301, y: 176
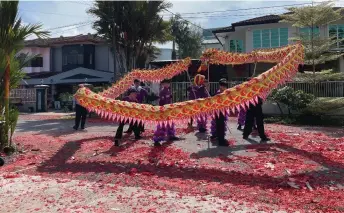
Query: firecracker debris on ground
x: 58, y: 169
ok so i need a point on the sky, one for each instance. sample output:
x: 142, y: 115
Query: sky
x: 206, y: 14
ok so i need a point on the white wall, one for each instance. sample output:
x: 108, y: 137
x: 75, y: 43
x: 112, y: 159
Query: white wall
x: 249, y: 32
x: 210, y: 46
x: 43, y: 52
x: 165, y: 54
x: 246, y: 33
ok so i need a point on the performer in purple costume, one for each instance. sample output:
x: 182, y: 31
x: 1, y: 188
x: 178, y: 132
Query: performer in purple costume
x: 162, y: 129
x: 192, y: 90
x: 218, y: 125
x: 141, y: 94
x: 132, y: 97
x: 202, y: 92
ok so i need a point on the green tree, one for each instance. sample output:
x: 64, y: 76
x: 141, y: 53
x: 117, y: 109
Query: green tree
x: 188, y: 38
x: 131, y: 28
x: 12, y: 36
x: 309, y: 20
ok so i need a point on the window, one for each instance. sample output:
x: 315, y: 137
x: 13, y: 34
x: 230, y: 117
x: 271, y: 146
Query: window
x: 36, y: 62
x: 236, y: 46
x: 307, y: 32
x: 337, y: 31
x: 269, y: 38
x: 73, y: 58
x: 91, y: 59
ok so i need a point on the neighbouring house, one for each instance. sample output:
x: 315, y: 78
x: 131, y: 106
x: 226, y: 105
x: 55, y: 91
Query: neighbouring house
x: 65, y: 62
x: 268, y: 32
x: 210, y: 41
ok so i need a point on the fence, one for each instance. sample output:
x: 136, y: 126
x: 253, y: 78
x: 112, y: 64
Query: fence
x: 23, y: 95
x: 322, y: 89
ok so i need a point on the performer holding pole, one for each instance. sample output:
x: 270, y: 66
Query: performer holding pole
x: 80, y: 112
x: 132, y: 97
x: 218, y: 125
x: 165, y: 97
x: 255, y: 111
x: 201, y: 92
x: 192, y: 90
x: 141, y: 94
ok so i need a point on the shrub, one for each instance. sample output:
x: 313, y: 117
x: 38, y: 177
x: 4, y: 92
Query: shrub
x: 294, y: 100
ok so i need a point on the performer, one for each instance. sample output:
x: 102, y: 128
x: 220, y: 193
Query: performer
x: 242, y: 118
x: 142, y: 94
x: 165, y: 97
x: 257, y: 113
x: 80, y: 113
x: 201, y: 92
x: 218, y: 125
x: 132, y: 97
x: 192, y: 90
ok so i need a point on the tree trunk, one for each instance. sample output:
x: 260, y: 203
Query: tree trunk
x: 174, y: 54
x: 280, y: 109
x: 6, y: 100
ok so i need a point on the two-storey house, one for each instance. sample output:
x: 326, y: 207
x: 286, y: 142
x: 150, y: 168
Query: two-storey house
x: 65, y: 62
x: 269, y: 32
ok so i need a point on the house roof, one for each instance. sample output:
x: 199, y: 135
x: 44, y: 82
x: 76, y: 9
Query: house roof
x: 64, y: 40
x: 46, y: 74
x: 259, y: 20
x: 211, y: 41
x: 267, y: 19
x: 224, y: 29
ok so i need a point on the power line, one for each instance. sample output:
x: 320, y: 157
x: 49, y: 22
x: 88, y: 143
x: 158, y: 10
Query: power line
x: 268, y: 12
x: 188, y: 21
x: 70, y: 25
x: 244, y: 9
x: 237, y: 15
x: 82, y: 25
x: 48, y: 13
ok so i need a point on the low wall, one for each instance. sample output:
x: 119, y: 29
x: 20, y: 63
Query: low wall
x: 271, y: 108
x: 26, y: 107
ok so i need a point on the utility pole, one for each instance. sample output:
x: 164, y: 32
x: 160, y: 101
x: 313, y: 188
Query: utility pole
x: 114, y: 51
x: 114, y: 43
x: 312, y: 43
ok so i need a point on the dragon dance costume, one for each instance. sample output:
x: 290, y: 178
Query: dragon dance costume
x: 163, y: 130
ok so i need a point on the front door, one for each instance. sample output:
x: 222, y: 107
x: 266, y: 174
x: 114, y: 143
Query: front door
x: 40, y: 100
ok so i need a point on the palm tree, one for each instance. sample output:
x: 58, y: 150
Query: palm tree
x: 138, y: 25
x: 12, y: 36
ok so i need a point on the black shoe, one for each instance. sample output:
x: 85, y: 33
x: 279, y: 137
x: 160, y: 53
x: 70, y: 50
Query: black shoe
x: 138, y: 137
x: 223, y: 144
x: 213, y: 137
x: 75, y: 128
x: 173, y: 138
x: 202, y: 130
x: 239, y: 127
x: 245, y: 137
x: 157, y: 144
x: 266, y: 139
x: 2, y: 162
x: 116, y: 143
x: 82, y: 128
